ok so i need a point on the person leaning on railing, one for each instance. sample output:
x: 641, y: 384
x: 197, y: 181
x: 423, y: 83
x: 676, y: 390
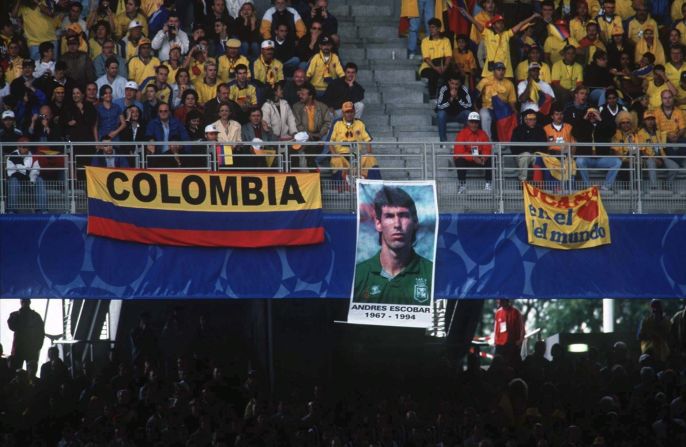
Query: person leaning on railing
x: 474, y: 156
x: 654, y: 157
x: 107, y: 157
x: 349, y: 130
x: 593, y: 129
x: 528, y: 132
x: 23, y: 172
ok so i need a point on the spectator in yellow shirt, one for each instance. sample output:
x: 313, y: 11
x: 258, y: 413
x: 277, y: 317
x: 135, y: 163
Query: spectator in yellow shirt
x: 324, y: 67
x: 608, y: 20
x: 143, y: 65
x: 484, y: 17
x: 241, y: 91
x: 229, y: 61
x: 346, y: 130
x: 128, y: 46
x: 649, y: 44
x: 38, y: 23
x: 566, y: 75
x: 465, y: 61
x: 206, y: 87
x: 638, y: 24
x: 577, y: 26
x: 655, y: 87
x: 268, y: 70
x: 671, y: 121
x: 436, y: 52
x: 131, y: 12
x: 489, y: 87
x: 497, y: 41
x: 534, y: 55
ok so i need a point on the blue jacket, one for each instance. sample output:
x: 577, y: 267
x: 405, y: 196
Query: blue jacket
x: 177, y: 132
x: 119, y: 162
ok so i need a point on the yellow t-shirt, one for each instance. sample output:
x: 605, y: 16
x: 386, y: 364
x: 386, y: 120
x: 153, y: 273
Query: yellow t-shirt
x: 554, y: 45
x: 268, y: 74
x: 675, y: 11
x: 205, y: 91
x: 483, y: 18
x: 673, y: 73
x: 139, y: 70
x: 226, y: 67
x: 680, y: 97
x: 319, y: 71
x: 489, y: 87
x: 497, y: 50
x: 642, y: 136
x: 465, y: 61
x: 148, y: 7
x: 568, y: 75
x: 625, y: 9
x: 522, y: 72
x: 654, y: 93
x: 676, y: 123
x: 243, y: 96
x: 577, y: 28
x: 38, y: 27
x: 94, y: 48
x: 121, y: 24
x: 14, y: 69
x: 606, y: 27
x: 344, y: 133
x: 435, y: 49
x: 681, y: 26
x: 657, y: 50
x: 635, y: 29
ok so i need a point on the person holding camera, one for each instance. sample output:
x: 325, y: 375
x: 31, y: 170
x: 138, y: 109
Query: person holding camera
x: 168, y: 35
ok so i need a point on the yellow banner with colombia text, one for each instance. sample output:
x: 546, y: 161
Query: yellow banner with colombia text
x: 565, y: 222
x: 207, y: 209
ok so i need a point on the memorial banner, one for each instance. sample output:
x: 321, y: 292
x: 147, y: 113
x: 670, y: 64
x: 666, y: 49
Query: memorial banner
x: 565, y: 222
x: 205, y: 209
x: 397, y: 227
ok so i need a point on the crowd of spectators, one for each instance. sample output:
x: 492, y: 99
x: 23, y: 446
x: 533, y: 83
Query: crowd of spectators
x: 180, y: 383
x: 141, y: 70
x: 614, y: 70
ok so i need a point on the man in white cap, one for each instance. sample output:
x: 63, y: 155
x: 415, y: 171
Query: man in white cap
x: 169, y: 34
x: 8, y: 130
x: 228, y: 62
x: 112, y: 78
x: 130, y: 13
x: 468, y: 153
x: 128, y: 46
x: 531, y: 90
x: 130, y: 97
x: 211, y: 132
x: 267, y: 69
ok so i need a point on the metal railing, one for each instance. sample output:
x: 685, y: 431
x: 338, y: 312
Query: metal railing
x: 639, y: 183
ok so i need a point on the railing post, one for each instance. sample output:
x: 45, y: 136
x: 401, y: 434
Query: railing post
x: 499, y: 172
x: 433, y: 161
x: 72, y: 180
x: 639, y: 168
x: 424, y: 164
x: 3, y: 161
x: 358, y: 159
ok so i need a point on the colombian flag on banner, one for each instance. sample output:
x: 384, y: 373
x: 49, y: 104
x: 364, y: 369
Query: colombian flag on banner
x: 565, y: 222
x: 206, y: 209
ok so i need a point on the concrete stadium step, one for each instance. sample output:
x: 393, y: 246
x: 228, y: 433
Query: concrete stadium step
x: 394, y: 75
x: 339, y: 9
x: 402, y: 95
x: 371, y: 11
x: 352, y: 54
x: 376, y: 121
x: 410, y: 119
x: 372, y: 97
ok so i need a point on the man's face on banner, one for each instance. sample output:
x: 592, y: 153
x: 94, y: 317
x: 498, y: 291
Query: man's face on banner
x: 396, y: 226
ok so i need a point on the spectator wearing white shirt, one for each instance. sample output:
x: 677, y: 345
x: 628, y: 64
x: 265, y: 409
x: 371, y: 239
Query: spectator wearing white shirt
x: 530, y: 90
x: 23, y: 172
x: 170, y: 34
x: 112, y: 78
x: 46, y: 64
x: 234, y: 6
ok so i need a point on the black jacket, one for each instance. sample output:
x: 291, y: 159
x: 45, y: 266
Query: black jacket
x: 526, y: 134
x: 338, y: 91
x: 585, y: 132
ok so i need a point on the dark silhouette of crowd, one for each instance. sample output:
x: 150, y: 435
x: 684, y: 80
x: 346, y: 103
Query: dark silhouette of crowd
x: 184, y: 384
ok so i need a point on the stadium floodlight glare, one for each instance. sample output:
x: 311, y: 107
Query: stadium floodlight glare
x: 578, y: 347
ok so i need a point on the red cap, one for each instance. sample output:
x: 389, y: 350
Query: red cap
x: 561, y: 22
x: 496, y: 18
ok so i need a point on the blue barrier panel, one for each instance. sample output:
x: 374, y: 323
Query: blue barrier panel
x: 479, y: 256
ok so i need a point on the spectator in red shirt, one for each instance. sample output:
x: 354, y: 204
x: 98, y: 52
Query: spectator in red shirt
x: 470, y: 155
x: 509, y: 332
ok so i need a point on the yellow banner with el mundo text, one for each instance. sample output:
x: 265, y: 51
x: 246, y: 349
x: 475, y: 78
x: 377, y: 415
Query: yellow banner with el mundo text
x: 565, y: 222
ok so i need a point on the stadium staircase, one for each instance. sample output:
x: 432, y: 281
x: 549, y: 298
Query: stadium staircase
x: 397, y: 107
